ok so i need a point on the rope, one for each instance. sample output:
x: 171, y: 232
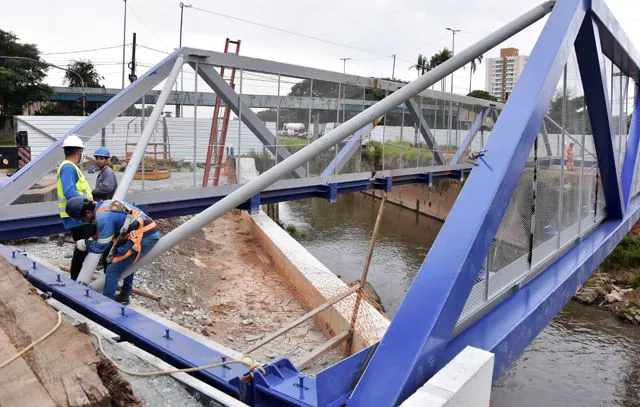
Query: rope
x: 246, y: 360
x: 42, y: 338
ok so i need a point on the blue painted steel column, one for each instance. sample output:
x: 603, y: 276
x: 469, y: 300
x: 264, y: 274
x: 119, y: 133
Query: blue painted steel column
x: 470, y: 135
x: 409, y: 352
x: 594, y: 82
x: 631, y: 153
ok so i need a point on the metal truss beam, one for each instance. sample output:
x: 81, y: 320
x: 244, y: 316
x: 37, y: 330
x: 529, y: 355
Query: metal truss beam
x: 350, y: 148
x: 616, y: 45
x: 324, y: 143
x: 545, y: 139
x: 296, y: 71
x: 86, y: 129
x: 414, y: 109
x: 477, y: 123
x: 631, y: 152
x: 34, y: 170
x: 248, y: 117
x: 42, y: 218
x: 413, y: 346
x: 594, y: 82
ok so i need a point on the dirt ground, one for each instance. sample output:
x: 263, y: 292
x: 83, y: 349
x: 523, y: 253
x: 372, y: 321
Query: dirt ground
x: 219, y: 283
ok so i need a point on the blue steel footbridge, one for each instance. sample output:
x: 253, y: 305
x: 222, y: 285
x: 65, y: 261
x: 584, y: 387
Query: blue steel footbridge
x: 526, y: 230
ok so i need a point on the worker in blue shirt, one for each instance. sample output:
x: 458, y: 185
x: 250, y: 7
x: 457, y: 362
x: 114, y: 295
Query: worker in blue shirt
x: 106, y: 182
x: 123, y: 230
x: 71, y: 183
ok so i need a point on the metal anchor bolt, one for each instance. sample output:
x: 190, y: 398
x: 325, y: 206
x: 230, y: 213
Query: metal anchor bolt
x: 13, y: 254
x: 122, y: 311
x: 166, y: 334
x: 34, y: 265
x: 86, y: 293
x: 58, y: 279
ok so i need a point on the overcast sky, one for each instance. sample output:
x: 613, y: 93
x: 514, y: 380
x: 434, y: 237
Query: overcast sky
x: 370, y: 31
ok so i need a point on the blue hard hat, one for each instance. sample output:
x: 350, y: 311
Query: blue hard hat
x: 102, y: 152
x: 74, y: 206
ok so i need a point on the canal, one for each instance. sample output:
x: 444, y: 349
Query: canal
x: 584, y: 357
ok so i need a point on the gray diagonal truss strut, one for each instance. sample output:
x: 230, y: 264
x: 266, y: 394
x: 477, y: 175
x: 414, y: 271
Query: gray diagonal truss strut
x: 86, y: 129
x: 470, y: 135
x: 248, y: 117
x: 324, y: 143
x: 350, y: 148
x: 91, y: 261
x: 545, y: 139
x: 414, y: 109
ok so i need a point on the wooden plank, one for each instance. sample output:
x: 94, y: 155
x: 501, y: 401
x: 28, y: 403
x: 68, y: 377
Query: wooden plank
x: 65, y: 363
x: 19, y: 386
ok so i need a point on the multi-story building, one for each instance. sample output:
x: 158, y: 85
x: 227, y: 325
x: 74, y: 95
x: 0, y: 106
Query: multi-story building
x: 503, y: 72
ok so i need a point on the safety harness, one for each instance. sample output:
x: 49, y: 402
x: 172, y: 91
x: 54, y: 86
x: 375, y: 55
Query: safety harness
x: 136, y: 221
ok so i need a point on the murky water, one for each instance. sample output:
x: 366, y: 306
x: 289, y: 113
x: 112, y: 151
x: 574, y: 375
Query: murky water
x: 584, y: 357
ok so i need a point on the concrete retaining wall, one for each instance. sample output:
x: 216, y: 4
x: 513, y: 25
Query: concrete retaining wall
x: 463, y: 382
x: 314, y: 284
x: 435, y: 201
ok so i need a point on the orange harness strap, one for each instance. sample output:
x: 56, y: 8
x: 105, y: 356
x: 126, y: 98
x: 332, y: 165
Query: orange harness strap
x: 135, y: 235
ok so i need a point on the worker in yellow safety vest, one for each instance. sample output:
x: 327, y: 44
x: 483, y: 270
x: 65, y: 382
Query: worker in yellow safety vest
x: 71, y: 182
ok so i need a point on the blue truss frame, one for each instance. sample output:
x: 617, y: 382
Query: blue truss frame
x: 470, y: 134
x: 417, y: 343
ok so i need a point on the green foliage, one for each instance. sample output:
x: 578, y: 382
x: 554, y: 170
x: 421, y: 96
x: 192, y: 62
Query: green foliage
x: 626, y: 254
x: 482, y: 94
x: 400, y: 150
x: 183, y: 251
x: 87, y: 71
x: 21, y: 81
x: 635, y: 280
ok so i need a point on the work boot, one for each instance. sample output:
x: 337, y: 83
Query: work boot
x: 123, y: 298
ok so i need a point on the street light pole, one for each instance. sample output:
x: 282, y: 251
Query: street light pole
x: 84, y: 96
x: 182, y: 7
x: 393, y: 70
x: 453, y: 49
x: 344, y: 64
x: 124, y: 40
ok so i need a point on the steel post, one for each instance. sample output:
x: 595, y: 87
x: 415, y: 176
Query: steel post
x: 91, y: 261
x: 324, y: 143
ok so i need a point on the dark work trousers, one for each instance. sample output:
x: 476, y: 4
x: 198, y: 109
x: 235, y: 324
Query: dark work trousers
x: 84, y: 231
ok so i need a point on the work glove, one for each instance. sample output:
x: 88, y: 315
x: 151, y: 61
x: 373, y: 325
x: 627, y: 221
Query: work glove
x: 81, y: 245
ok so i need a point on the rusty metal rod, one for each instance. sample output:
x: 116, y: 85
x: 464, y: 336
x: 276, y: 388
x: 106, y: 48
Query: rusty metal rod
x: 365, y: 271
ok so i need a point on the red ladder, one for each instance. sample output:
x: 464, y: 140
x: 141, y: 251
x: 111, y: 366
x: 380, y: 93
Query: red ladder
x: 216, y: 143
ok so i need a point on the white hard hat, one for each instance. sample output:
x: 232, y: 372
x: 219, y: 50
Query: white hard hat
x: 72, y: 141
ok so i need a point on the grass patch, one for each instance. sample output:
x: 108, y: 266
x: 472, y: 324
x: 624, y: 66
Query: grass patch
x: 626, y: 254
x: 183, y: 251
x: 634, y: 281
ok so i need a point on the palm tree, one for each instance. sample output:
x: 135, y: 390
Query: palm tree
x: 437, y: 59
x: 473, y: 68
x: 421, y: 65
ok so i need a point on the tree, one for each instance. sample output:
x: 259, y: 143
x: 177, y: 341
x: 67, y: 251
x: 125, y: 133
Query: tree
x: 437, y: 59
x: 482, y: 94
x: 87, y: 71
x: 21, y: 81
x: 421, y: 65
x: 473, y: 66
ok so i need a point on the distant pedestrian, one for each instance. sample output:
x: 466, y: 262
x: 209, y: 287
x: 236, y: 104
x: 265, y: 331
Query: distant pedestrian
x: 569, y: 151
x: 106, y: 183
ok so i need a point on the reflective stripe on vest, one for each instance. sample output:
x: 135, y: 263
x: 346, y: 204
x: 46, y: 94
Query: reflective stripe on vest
x: 82, y: 187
